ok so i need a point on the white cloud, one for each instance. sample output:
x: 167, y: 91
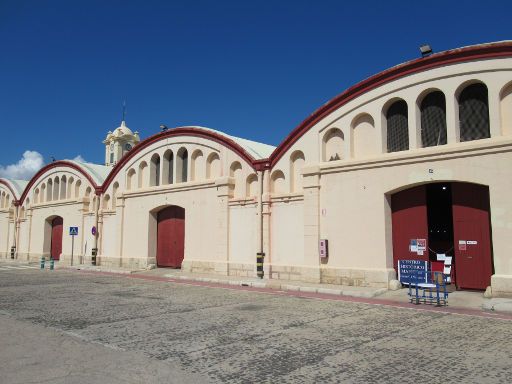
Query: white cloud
x: 25, y: 168
x: 80, y: 159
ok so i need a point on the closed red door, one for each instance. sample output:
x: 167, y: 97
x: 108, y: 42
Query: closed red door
x: 409, y: 221
x: 56, y: 247
x: 171, y: 237
x: 472, y: 235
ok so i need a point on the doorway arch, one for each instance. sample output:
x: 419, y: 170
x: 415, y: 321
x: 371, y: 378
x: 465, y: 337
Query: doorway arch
x: 170, y: 249
x: 56, y: 237
x: 452, y: 219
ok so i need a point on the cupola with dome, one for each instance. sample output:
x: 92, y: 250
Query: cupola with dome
x: 118, y: 143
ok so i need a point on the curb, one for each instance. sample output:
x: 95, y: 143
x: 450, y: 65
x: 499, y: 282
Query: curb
x: 283, y: 287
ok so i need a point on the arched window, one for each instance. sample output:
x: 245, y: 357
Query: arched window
x: 142, y: 174
x: 333, y: 143
x: 197, y: 169
x: 93, y: 205
x: 252, y: 186
x: 474, y: 113
x: 115, y: 188
x: 182, y: 166
x: 130, y: 179
x: 22, y: 212
x: 154, y: 169
x: 506, y: 109
x: 49, y: 190
x: 36, y: 196
x: 433, y: 119
x: 63, y: 187
x: 397, y: 127
x: 2, y: 200
x: 168, y: 167
x: 277, y: 182
x: 78, y: 185
x: 70, y: 190
x: 364, y: 138
x: 297, y: 161
x: 56, y: 188
x: 213, y: 166
x: 43, y: 193
x: 235, y: 171
x: 106, y: 200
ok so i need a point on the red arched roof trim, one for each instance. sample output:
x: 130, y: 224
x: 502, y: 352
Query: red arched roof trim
x: 173, y: 132
x: 477, y: 52
x: 4, y: 182
x: 55, y: 164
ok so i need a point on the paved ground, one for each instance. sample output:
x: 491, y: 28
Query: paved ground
x: 74, y: 327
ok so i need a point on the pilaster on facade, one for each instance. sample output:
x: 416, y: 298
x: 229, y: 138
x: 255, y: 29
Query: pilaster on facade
x: 224, y: 187
x: 311, y: 186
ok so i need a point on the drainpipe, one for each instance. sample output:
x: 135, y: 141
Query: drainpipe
x: 260, y: 211
x: 16, y: 231
x: 260, y: 256
x: 96, y: 222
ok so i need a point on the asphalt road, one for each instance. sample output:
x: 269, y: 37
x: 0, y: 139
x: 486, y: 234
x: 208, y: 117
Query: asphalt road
x: 74, y: 327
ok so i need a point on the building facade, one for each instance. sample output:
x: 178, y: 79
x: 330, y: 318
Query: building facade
x: 422, y: 151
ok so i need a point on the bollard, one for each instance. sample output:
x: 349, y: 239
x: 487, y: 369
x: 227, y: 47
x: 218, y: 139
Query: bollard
x: 259, y: 264
x: 42, y: 262
x: 52, y: 264
x: 93, y: 257
x: 13, y: 251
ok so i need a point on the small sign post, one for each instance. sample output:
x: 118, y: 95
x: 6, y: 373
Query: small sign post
x: 73, y: 231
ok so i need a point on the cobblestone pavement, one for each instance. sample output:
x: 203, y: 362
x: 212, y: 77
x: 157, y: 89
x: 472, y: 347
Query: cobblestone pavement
x: 236, y: 336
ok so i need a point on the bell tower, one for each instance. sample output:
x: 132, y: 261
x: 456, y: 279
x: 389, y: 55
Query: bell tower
x: 118, y: 143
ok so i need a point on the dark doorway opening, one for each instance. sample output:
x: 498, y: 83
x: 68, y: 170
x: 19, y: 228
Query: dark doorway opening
x: 440, y: 220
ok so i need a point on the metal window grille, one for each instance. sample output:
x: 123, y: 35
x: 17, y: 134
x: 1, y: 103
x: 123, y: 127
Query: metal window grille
x: 397, y: 127
x: 433, y: 119
x: 474, y: 113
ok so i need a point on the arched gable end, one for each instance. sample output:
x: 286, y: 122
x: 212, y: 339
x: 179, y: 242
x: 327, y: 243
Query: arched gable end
x: 11, y: 189
x: 182, y: 131
x: 55, y: 164
x: 454, y: 56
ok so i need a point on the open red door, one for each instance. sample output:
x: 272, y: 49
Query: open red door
x: 171, y: 237
x: 472, y: 235
x: 56, y: 247
x: 409, y: 220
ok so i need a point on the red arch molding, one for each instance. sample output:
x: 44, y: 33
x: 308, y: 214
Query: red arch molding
x: 4, y: 182
x: 454, y: 56
x: 181, y: 131
x: 55, y: 164
x: 476, y: 52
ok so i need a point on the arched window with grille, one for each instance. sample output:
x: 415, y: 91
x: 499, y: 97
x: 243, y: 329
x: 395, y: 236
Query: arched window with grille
x: 433, y: 119
x: 474, y: 113
x: 397, y: 127
x: 182, y: 166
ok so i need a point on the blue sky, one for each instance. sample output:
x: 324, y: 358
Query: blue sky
x: 253, y: 69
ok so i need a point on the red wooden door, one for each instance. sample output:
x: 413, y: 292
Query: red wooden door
x: 170, y: 237
x: 472, y: 235
x: 56, y: 247
x: 409, y: 221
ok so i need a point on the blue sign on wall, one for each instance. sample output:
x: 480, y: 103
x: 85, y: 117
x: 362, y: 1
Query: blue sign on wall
x: 411, y: 270
x: 73, y: 231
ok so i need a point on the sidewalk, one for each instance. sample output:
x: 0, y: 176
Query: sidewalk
x: 459, y: 299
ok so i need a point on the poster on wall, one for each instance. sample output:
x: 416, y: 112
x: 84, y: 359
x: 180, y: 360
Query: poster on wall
x: 462, y: 245
x: 413, y: 246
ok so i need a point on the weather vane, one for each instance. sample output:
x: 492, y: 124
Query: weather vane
x: 124, y: 110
